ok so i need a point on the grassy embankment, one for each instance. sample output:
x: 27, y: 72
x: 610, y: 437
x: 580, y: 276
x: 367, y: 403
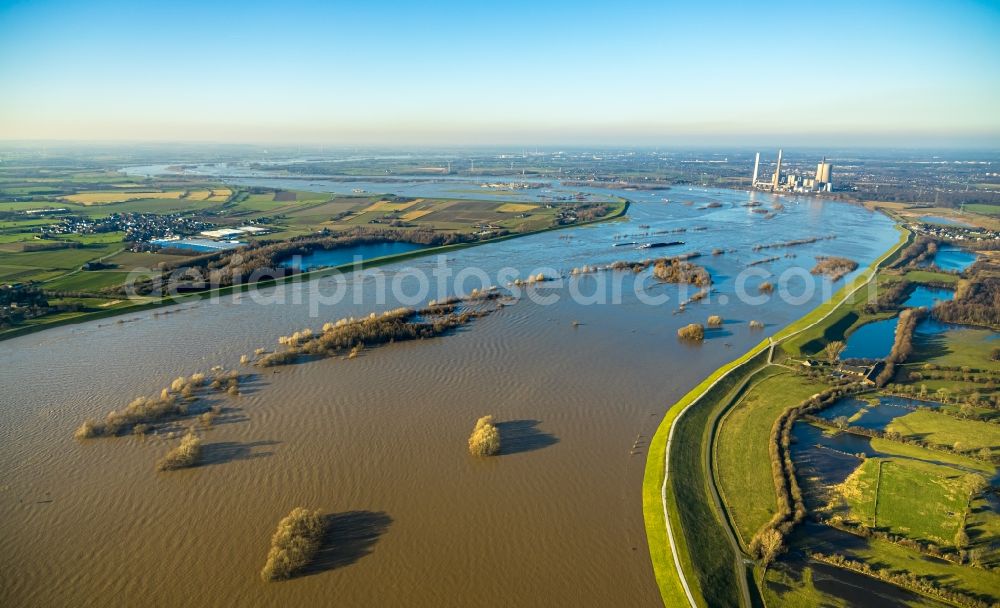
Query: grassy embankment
x: 668, y: 533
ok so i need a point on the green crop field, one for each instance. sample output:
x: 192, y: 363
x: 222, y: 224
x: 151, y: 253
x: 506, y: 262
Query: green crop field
x: 928, y: 276
x: 963, y: 346
x: 991, y: 210
x: 915, y: 499
x: 941, y: 430
x: 915, y: 452
x: 87, y: 281
x: 42, y: 265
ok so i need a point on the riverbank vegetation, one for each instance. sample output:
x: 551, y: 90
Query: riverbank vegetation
x: 294, y: 544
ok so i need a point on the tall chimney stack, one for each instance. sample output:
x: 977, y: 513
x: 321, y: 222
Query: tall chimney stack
x: 777, y: 173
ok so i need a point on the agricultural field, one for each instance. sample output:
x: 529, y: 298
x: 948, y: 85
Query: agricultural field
x: 135, y: 260
x: 515, y: 208
x: 991, y: 210
x: 939, y: 359
x: 90, y: 282
x: 964, y: 346
x: 948, y: 431
x: 120, y: 196
x: 916, y: 499
x: 927, y: 276
x: 48, y: 264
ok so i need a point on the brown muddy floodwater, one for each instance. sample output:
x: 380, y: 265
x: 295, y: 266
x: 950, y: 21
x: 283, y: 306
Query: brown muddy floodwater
x: 379, y: 443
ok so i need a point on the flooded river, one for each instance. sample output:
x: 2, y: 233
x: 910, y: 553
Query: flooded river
x: 379, y: 443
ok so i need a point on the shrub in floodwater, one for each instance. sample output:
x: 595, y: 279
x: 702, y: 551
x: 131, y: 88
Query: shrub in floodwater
x: 485, y: 438
x: 147, y: 411
x: 694, y: 331
x: 352, y: 335
x: 183, y: 456
x: 833, y: 267
x: 714, y: 321
x: 207, y: 418
x: 766, y: 287
x: 677, y: 270
x: 87, y: 430
x: 293, y: 545
x: 756, y: 325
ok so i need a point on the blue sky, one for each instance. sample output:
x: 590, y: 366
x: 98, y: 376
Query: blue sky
x: 661, y: 72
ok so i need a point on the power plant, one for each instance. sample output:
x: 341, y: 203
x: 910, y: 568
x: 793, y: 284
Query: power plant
x: 822, y: 181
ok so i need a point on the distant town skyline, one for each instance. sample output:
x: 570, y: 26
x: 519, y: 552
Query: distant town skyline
x: 448, y: 73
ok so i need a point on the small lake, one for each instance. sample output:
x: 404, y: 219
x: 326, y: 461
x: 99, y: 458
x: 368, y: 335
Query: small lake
x: 874, y: 340
x: 928, y: 297
x: 944, y: 221
x: 949, y: 257
x: 325, y: 258
x: 871, y: 340
x: 874, y: 417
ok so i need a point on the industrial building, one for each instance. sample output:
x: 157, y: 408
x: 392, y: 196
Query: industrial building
x: 791, y: 181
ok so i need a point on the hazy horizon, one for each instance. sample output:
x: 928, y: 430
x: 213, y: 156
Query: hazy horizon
x: 640, y: 73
